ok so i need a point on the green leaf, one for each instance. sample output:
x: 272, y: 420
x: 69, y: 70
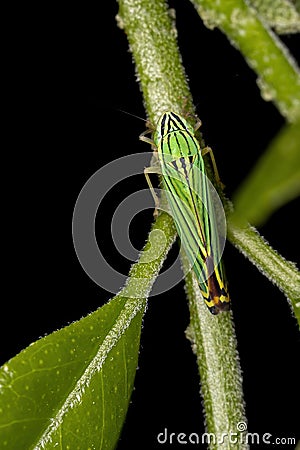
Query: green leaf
x: 71, y: 389
x: 274, y: 180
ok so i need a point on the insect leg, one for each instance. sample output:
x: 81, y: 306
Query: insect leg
x: 143, y: 137
x: 157, y: 170
x: 208, y: 150
x: 198, y: 124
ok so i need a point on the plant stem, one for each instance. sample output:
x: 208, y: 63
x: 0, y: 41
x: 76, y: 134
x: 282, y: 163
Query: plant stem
x: 279, y: 14
x: 214, y: 343
x: 152, y: 38
x: 278, y: 74
x: 281, y: 272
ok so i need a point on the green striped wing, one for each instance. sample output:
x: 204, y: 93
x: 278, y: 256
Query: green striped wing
x: 189, y: 196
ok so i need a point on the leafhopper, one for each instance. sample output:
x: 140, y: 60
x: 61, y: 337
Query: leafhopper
x: 181, y: 164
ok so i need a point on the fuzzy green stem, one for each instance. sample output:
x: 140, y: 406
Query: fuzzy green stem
x: 281, y: 272
x: 281, y: 15
x: 214, y: 343
x: 151, y: 34
x: 152, y: 37
x: 143, y: 273
x: 278, y: 74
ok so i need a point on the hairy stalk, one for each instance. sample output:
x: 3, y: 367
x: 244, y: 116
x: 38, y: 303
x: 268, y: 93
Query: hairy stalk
x: 281, y: 15
x: 281, y: 272
x: 278, y: 74
x: 152, y: 37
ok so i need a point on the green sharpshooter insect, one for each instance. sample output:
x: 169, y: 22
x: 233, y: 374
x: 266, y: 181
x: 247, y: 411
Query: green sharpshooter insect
x: 184, y: 179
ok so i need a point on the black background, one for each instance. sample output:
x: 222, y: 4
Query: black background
x: 70, y: 75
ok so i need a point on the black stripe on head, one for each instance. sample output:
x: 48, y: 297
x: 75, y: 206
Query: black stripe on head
x: 163, y: 124
x: 177, y: 120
